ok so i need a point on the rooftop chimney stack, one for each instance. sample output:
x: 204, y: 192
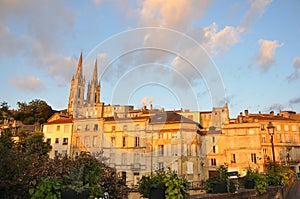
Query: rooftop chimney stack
x: 246, y: 113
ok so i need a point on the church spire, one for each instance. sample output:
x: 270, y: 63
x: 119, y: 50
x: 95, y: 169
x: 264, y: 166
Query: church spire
x: 79, y: 66
x: 95, y: 74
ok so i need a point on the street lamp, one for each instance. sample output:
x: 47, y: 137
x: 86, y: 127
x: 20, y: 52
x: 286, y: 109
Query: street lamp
x: 271, y: 128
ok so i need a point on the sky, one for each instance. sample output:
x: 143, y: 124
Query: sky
x: 173, y: 54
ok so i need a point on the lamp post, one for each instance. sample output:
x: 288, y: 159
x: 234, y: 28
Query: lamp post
x: 271, y: 128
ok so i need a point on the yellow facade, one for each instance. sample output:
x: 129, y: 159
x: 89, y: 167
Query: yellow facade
x: 58, y: 132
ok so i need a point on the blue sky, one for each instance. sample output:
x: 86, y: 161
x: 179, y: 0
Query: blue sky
x: 202, y: 53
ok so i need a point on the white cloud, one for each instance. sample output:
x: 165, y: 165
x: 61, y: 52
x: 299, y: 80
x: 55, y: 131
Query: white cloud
x: 266, y: 54
x: 219, y: 41
x: 27, y: 83
x: 256, y: 10
x: 177, y: 15
x: 35, y: 30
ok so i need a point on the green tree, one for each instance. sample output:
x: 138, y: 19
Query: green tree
x: 35, y: 111
x: 4, y: 111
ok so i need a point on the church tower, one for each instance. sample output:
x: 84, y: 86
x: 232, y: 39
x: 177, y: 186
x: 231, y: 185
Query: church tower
x: 93, y: 93
x: 76, y: 97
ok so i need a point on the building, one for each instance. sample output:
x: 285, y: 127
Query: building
x: 58, y: 132
x: 245, y: 142
x: 134, y: 142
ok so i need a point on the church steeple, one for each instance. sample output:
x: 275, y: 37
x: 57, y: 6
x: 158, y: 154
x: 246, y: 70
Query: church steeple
x: 76, y: 98
x: 93, y: 94
x: 79, y: 66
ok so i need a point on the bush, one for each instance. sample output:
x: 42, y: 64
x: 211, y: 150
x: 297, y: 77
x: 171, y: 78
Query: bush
x: 48, y: 189
x: 173, y: 185
x: 260, y: 180
x: 216, y: 183
x: 278, y: 174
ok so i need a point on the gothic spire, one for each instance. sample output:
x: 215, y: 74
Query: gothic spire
x: 79, y: 66
x: 95, y: 74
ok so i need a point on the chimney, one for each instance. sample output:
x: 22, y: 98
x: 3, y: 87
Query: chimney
x: 246, y: 113
x: 272, y: 113
x: 145, y: 108
x: 151, y: 107
x: 241, y: 114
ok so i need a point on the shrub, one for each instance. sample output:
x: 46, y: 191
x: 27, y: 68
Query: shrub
x: 174, y: 186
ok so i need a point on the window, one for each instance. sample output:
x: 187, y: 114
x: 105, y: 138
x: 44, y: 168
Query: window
x: 160, y: 135
x: 125, y: 127
x: 263, y: 138
x: 233, y: 159
x: 286, y: 127
x: 213, y: 139
x: 79, y: 128
x: 137, y: 141
x: 95, y: 127
x: 189, y: 166
x: 57, y: 128
x: 253, y: 158
x: 215, y: 149
x: 95, y: 140
x: 294, y: 128
x: 66, y: 128
x: 264, y: 151
x: 213, y: 162
x: 296, y: 138
x: 48, y: 140
x: 56, y: 140
x: 262, y: 127
x: 160, y: 166
x: 113, y: 141
x: 124, y: 141
x: 278, y: 127
x: 287, y: 138
x: 65, y: 141
x: 191, y: 117
x: 87, y: 127
x: 161, y: 150
x: 55, y: 153
x: 113, y: 128
x: 86, y: 141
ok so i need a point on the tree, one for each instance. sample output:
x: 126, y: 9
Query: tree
x: 35, y: 111
x: 4, y: 111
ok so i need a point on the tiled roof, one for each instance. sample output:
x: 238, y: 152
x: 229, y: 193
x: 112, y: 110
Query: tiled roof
x: 170, y: 117
x: 60, y: 121
x: 269, y: 117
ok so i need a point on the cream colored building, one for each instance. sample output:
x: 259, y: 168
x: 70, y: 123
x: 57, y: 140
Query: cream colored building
x: 58, y: 132
x: 245, y: 142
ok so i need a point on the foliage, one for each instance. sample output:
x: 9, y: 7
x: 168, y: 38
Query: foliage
x: 27, y: 171
x: 174, y: 186
x: 48, y: 188
x: 220, y: 176
x: 35, y: 111
x: 35, y: 144
x: 278, y: 174
x: 260, y: 180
